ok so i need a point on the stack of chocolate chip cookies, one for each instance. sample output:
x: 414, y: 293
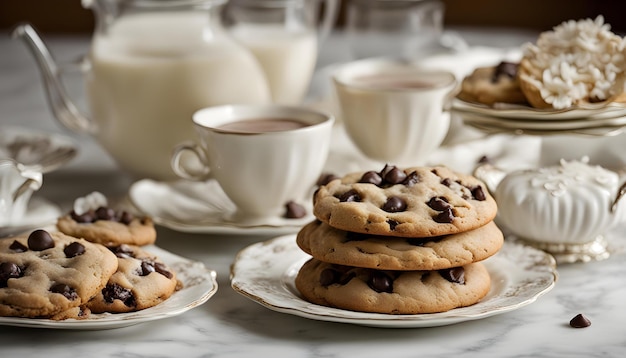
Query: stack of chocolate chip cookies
x: 94, y: 264
x: 399, y: 241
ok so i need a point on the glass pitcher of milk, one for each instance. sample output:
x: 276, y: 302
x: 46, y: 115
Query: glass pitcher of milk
x: 284, y: 36
x: 151, y: 65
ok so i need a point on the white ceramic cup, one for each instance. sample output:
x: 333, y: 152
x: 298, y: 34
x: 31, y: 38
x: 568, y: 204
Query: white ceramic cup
x: 259, y: 170
x: 17, y: 184
x: 393, y: 111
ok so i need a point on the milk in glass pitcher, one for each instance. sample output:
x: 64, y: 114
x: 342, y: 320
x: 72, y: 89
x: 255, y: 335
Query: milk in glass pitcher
x: 151, y: 65
x: 284, y: 36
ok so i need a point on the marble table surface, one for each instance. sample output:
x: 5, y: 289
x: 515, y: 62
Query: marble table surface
x: 231, y: 325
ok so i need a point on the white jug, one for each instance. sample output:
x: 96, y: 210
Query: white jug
x: 151, y: 65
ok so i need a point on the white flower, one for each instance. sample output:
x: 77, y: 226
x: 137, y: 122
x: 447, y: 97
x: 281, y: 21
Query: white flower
x: 93, y: 201
x: 577, y: 61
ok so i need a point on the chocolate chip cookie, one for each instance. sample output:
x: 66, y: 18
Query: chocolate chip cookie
x: 392, y: 292
x: 411, y: 202
x: 328, y: 244
x: 493, y: 84
x: 50, y: 274
x: 141, y: 281
x: 109, y: 227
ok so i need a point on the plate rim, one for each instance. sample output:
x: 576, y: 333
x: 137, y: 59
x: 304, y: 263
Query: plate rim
x: 364, y: 318
x: 530, y: 113
x: 119, y: 320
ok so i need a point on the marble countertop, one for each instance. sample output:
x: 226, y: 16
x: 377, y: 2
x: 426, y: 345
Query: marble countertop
x: 231, y: 325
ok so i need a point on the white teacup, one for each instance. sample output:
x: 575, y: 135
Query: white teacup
x: 393, y: 111
x: 17, y: 184
x: 263, y: 156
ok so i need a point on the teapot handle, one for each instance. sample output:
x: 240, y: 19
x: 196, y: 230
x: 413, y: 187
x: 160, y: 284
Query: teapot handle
x: 64, y: 110
x: 331, y: 12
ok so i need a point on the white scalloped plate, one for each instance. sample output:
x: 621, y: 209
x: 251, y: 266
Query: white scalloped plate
x: 265, y: 273
x: 562, y: 125
x: 199, y: 284
x: 521, y: 112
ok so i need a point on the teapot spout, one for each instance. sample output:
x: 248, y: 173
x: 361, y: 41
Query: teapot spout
x: 60, y: 103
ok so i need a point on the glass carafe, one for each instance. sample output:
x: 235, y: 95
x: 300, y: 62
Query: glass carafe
x: 284, y: 35
x: 151, y: 65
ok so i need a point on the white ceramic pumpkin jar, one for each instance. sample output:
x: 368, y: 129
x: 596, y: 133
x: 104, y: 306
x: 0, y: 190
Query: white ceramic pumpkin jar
x: 564, y: 209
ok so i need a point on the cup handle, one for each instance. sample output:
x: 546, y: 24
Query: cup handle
x: 331, y: 12
x: 33, y: 181
x: 181, y: 167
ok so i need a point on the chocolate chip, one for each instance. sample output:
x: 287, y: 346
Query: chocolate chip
x: 580, y: 321
x: 416, y: 241
x: 40, y: 240
x: 9, y: 270
x: 18, y: 246
x: 350, y: 196
x: 74, y: 249
x: 504, y: 68
x: 455, y: 274
x: 328, y: 277
x: 294, y: 210
x: 116, y: 292
x: 146, y: 268
x: 104, y: 213
x: 444, y: 217
x: 394, y: 204
x: 85, y: 218
x: 386, y: 170
x: 394, y: 176
x: 65, y: 290
x: 371, y: 177
x: 326, y: 178
x: 411, y: 179
x: 446, y: 181
x: 355, y: 236
x: 484, y: 160
x: 380, y: 282
x: 478, y: 193
x: 438, y: 203
x: 346, y: 277
x: 162, y: 269
x: 126, y: 217
x: 123, y: 251
x: 392, y: 224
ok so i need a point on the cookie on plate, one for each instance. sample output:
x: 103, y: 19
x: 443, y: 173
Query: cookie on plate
x: 50, y: 274
x: 493, y: 84
x: 141, y: 281
x: 392, y: 292
x: 109, y: 227
x: 328, y: 244
x: 412, y: 202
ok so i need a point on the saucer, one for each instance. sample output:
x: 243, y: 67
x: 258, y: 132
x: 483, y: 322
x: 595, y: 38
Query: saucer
x: 201, y: 207
x: 265, y: 273
x: 46, y: 151
x: 40, y: 213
